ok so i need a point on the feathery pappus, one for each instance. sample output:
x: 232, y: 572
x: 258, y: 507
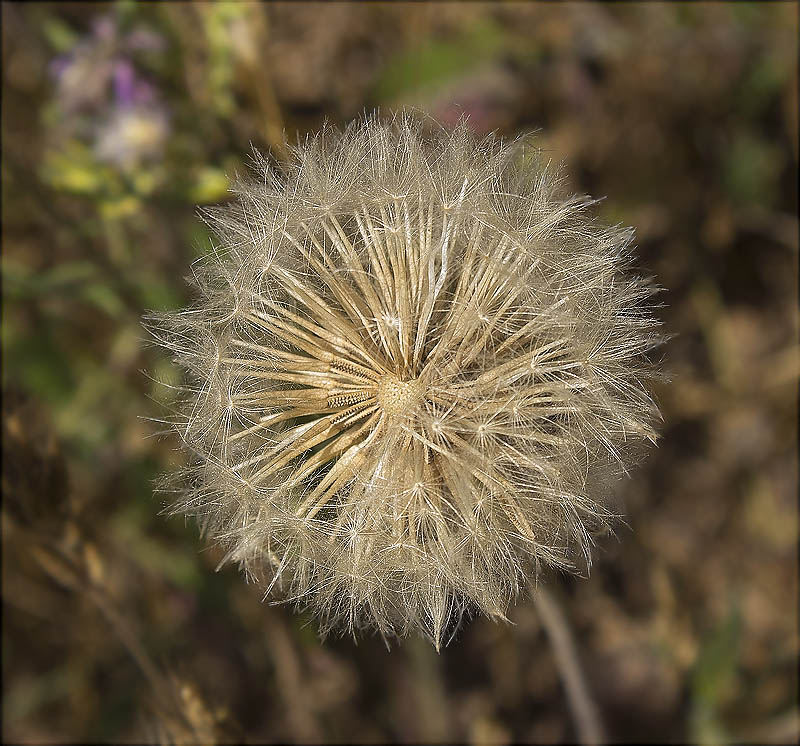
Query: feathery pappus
x: 414, y: 371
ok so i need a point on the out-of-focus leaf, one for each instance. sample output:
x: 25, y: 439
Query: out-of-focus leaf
x: 59, y: 35
x: 437, y: 61
x: 41, y: 366
x: 199, y: 237
x: 74, y: 169
x: 120, y: 208
x: 103, y: 296
x: 717, y: 661
x: 762, y: 84
x: 126, y: 345
x: 217, y: 18
x: 712, y: 677
x: 146, y: 181
x: 16, y: 279
x: 175, y: 563
x: 20, y: 281
x: 210, y: 185
x: 67, y: 273
x: 751, y: 170
x: 25, y: 696
x: 155, y: 293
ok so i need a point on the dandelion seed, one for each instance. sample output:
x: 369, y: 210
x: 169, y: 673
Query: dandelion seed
x: 413, y: 369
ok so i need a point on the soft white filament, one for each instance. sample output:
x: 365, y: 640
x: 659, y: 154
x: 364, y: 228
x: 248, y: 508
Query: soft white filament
x: 413, y: 370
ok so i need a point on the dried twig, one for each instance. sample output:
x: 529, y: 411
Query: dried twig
x: 582, y: 706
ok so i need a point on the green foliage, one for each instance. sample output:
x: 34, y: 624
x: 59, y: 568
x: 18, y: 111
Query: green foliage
x: 210, y: 185
x: 712, y: 681
x: 217, y: 22
x: 751, y: 170
x: 437, y: 60
x: 59, y: 34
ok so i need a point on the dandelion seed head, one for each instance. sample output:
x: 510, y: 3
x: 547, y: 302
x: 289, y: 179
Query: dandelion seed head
x: 414, y: 370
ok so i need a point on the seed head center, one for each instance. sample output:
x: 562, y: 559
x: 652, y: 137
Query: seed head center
x: 397, y: 397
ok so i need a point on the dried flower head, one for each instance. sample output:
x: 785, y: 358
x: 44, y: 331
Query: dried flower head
x: 413, y: 368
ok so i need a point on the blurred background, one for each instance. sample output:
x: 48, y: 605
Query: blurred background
x: 118, y: 119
